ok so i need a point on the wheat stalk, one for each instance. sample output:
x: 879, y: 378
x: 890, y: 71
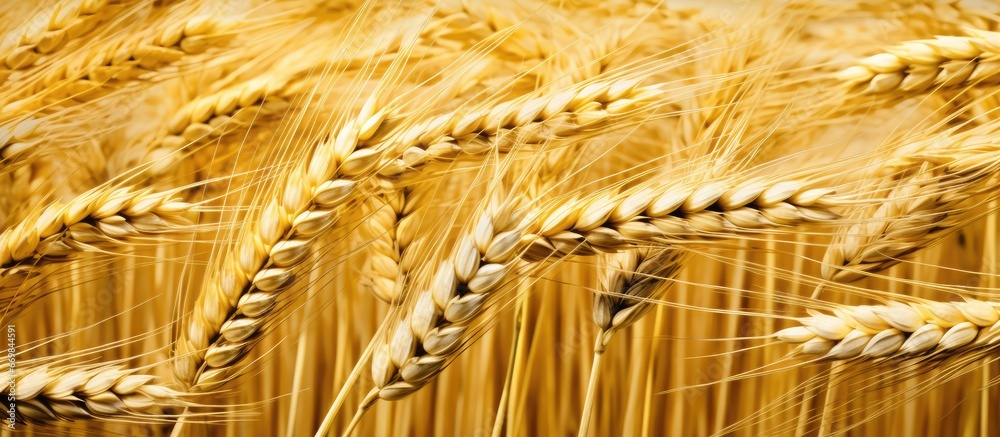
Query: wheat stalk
x: 896, y: 330
x: 47, y: 395
x: 918, y: 66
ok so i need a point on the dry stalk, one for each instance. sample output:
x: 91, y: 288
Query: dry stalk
x: 633, y: 281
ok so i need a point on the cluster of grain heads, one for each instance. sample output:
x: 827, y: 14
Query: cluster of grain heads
x: 896, y: 330
x: 562, y: 115
x: 101, y: 219
x: 919, y: 66
x: 927, y: 203
x: 50, y: 394
x: 230, y: 310
x: 483, y: 259
x: 435, y: 326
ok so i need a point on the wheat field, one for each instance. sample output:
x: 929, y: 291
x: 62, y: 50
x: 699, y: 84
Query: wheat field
x: 500, y: 218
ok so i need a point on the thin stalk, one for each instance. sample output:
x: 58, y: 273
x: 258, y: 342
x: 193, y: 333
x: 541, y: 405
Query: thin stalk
x: 324, y: 428
x: 647, y: 404
x: 498, y: 422
x: 369, y: 401
x: 595, y: 374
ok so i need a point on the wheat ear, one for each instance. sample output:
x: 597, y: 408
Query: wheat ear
x: 896, y: 330
x: 435, y: 327
x: 634, y: 279
x: 608, y: 221
x: 212, y: 115
x: 920, y: 209
x: 17, y: 137
x: 231, y: 309
x: 46, y: 395
x: 94, y: 73
x: 102, y: 218
x: 918, y: 66
x: 524, y: 41
x: 47, y: 32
